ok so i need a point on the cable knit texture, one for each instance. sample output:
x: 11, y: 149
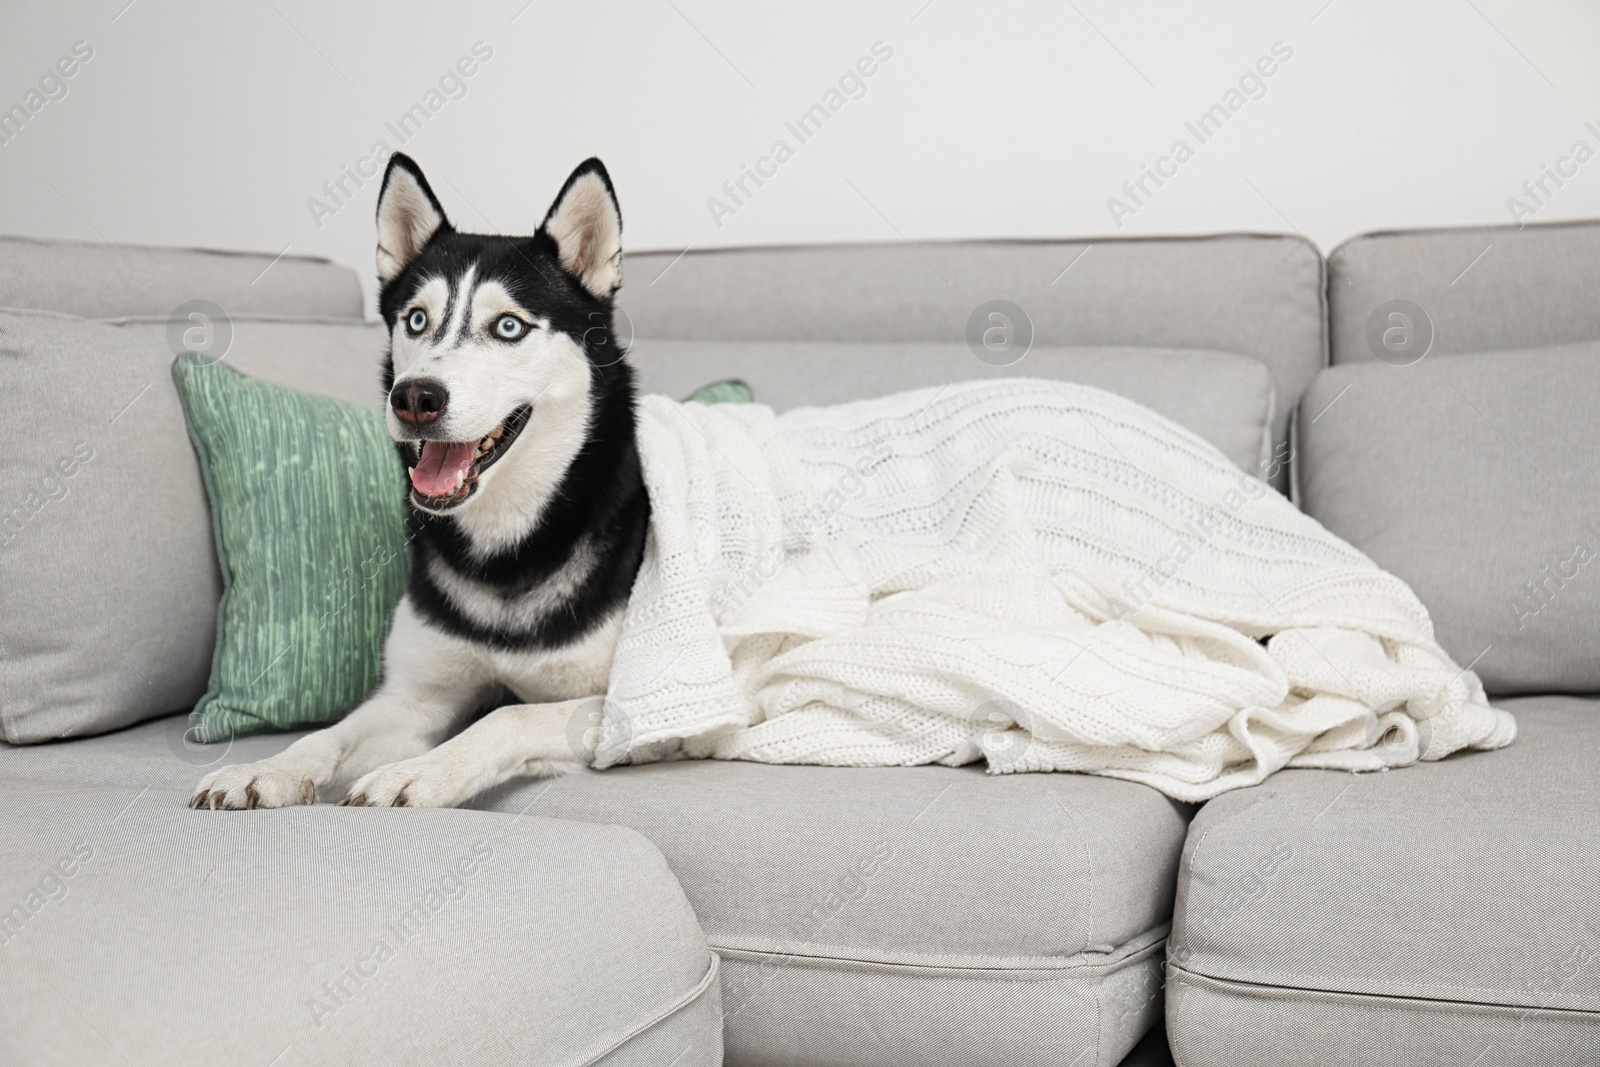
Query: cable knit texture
x: 1042, y: 575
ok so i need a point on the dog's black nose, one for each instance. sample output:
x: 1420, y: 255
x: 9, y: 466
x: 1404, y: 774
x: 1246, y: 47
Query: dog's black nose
x: 419, y: 401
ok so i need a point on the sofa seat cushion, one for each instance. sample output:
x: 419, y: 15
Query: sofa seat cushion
x: 1438, y: 914
x: 907, y: 915
x: 870, y: 916
x: 138, y: 931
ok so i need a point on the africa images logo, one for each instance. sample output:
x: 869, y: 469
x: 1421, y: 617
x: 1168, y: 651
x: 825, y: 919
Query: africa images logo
x: 50, y: 87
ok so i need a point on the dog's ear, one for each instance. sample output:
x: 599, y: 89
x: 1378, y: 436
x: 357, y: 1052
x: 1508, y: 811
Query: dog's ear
x: 586, y: 226
x: 408, y: 216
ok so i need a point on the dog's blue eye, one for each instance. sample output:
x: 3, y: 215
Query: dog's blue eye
x: 417, y: 320
x: 509, y: 326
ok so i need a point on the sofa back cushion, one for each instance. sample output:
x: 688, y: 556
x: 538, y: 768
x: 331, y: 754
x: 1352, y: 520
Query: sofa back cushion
x: 102, y: 280
x: 1226, y: 399
x: 1252, y: 295
x: 341, y: 358
x: 1476, y: 478
x: 107, y: 557
x: 1479, y: 289
x: 1463, y: 457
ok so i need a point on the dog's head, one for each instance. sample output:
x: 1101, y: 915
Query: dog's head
x: 495, y: 343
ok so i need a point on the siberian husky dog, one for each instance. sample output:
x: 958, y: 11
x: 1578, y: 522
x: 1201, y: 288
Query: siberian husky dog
x: 513, y: 411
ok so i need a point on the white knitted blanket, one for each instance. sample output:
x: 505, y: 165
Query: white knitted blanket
x: 1042, y: 575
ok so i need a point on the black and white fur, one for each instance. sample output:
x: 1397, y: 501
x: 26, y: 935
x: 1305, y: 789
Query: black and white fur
x: 521, y: 571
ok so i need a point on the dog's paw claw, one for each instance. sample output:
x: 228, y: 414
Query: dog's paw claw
x: 413, y: 783
x: 249, y: 786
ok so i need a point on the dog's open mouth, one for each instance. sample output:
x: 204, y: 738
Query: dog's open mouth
x: 446, y: 472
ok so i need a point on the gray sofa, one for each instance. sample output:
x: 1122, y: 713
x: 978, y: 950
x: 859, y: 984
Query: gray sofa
x: 697, y: 913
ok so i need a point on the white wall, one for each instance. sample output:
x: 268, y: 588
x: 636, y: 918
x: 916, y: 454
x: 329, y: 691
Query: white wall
x: 214, y: 124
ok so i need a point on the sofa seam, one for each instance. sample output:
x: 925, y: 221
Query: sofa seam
x: 1099, y: 1023
x: 707, y: 981
x: 1173, y: 991
x: 1253, y: 987
x: 1152, y: 935
x: 264, y: 317
x: 261, y: 317
x: 235, y: 253
x: 966, y: 242
x: 1060, y: 972
x: 1431, y: 231
x: 1088, y: 857
x: 1180, y: 888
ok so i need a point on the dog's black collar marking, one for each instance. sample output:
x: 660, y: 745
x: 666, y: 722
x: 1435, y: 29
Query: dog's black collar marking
x: 600, y: 508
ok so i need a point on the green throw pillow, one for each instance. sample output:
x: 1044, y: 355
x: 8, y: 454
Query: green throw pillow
x: 727, y: 391
x: 308, y: 509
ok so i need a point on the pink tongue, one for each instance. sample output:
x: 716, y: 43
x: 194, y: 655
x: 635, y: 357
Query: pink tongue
x: 435, y: 472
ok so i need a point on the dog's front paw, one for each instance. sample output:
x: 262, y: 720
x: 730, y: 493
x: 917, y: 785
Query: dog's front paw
x: 253, y: 785
x: 412, y: 783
